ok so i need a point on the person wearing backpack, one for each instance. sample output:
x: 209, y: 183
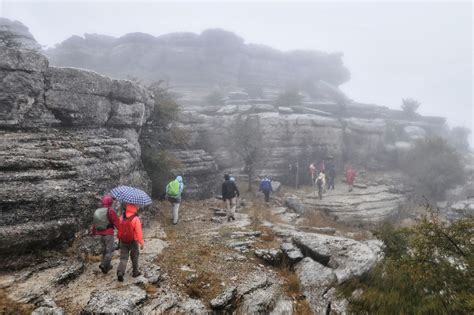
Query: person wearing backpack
x: 130, y: 236
x: 266, y: 188
x: 230, y: 192
x: 104, y: 222
x: 174, y: 189
x: 320, y: 183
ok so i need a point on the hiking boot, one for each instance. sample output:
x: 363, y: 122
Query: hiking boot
x: 120, y: 278
x: 136, y: 274
x: 104, y: 271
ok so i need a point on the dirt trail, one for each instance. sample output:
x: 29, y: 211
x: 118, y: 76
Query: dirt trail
x: 197, y: 259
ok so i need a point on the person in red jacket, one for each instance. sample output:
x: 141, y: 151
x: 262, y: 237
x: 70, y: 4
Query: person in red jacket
x: 107, y: 236
x: 130, y: 236
x: 350, y: 177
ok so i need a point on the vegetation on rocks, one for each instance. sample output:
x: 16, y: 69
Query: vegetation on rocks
x: 246, y: 136
x: 410, y: 106
x: 434, y: 167
x: 156, y: 157
x: 427, y: 269
x: 289, y: 98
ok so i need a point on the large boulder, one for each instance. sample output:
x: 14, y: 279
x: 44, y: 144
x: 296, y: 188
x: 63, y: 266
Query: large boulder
x: 68, y: 136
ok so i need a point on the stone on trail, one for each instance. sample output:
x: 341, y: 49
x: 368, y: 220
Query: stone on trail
x: 224, y: 299
x: 292, y: 252
x: 273, y: 256
x: 112, y: 301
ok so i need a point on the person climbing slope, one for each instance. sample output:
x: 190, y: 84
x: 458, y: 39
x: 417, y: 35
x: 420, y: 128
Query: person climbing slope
x: 130, y: 236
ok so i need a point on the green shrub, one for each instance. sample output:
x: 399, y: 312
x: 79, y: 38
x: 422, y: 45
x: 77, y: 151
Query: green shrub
x: 161, y: 166
x: 410, y: 106
x: 427, y: 269
x: 289, y: 98
x: 433, y: 167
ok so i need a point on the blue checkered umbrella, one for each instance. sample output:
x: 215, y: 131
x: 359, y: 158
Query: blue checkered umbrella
x: 131, y: 195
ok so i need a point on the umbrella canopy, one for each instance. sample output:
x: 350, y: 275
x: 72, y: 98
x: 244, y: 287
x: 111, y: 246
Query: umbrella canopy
x: 131, y: 195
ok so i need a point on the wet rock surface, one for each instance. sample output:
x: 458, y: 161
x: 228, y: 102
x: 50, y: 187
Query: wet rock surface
x: 68, y: 136
x: 121, y: 300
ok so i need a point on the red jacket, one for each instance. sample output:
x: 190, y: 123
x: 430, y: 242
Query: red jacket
x: 350, y: 176
x: 131, y: 210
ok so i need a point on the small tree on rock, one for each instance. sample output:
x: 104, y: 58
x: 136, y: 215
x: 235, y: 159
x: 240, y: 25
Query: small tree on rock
x: 246, y: 138
x: 289, y: 98
x: 410, y: 106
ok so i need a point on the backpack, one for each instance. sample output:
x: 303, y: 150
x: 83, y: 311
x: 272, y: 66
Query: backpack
x: 126, y: 231
x: 319, y: 182
x: 265, y: 185
x: 173, y: 188
x: 101, y: 219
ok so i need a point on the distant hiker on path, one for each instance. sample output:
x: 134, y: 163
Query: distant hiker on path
x: 312, y: 173
x: 230, y: 192
x: 174, y: 189
x: 350, y: 177
x: 104, y: 222
x: 130, y: 236
x: 331, y: 176
x: 266, y: 187
x: 320, y: 184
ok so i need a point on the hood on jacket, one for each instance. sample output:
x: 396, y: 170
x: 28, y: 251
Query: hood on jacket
x: 107, y: 201
x: 130, y: 209
x: 179, y: 179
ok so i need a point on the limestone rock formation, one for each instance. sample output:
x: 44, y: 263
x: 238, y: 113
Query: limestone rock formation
x: 200, y: 61
x: 68, y: 136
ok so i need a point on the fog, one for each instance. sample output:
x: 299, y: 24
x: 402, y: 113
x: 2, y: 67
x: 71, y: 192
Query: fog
x: 393, y: 50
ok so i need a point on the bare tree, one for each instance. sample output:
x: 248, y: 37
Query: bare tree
x: 247, y: 140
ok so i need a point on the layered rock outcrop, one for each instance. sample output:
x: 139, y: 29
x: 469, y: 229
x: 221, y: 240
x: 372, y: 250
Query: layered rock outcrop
x: 68, y: 136
x: 200, y: 62
x: 304, y: 134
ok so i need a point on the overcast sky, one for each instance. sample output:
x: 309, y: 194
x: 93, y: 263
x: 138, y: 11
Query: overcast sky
x: 421, y: 50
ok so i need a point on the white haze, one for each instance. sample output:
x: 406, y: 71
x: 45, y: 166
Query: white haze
x: 421, y: 50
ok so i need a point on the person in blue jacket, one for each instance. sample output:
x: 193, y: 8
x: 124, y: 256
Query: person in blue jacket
x: 266, y: 187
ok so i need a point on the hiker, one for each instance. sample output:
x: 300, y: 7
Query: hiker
x: 266, y: 187
x: 321, y: 167
x: 312, y: 173
x: 331, y: 176
x: 350, y: 177
x: 104, y: 222
x: 174, y: 189
x: 131, y: 237
x: 230, y: 192
x: 320, y: 183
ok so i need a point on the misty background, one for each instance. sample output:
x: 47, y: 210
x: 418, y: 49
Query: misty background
x: 421, y: 50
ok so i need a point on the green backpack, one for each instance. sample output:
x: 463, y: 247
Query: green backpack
x: 101, y: 220
x: 173, y: 188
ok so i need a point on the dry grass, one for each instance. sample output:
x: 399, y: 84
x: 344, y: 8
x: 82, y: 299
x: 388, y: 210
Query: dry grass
x: 8, y: 306
x: 92, y: 258
x: 150, y: 289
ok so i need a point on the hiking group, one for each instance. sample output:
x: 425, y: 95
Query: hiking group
x: 129, y: 226
x: 323, y: 177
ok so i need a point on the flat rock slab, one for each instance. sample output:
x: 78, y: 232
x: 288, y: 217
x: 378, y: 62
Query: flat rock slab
x: 121, y: 300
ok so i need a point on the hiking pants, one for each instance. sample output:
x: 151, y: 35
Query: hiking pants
x: 127, y: 249
x: 108, y: 246
x: 267, y: 195
x: 175, y: 209
x: 331, y: 183
x: 231, y: 206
